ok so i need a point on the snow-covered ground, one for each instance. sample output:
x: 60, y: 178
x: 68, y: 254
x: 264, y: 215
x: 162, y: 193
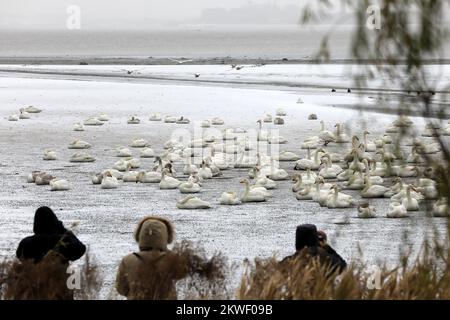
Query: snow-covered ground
x: 108, y: 217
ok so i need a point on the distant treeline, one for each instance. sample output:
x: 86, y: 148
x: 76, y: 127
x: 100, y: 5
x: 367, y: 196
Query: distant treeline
x: 252, y: 14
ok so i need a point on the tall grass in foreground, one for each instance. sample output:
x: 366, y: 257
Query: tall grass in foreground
x: 424, y: 277
x: 48, y: 280
x: 427, y: 277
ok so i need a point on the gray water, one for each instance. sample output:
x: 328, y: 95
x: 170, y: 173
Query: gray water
x: 203, y: 41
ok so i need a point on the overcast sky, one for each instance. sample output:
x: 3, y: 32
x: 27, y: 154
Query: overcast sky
x: 117, y: 13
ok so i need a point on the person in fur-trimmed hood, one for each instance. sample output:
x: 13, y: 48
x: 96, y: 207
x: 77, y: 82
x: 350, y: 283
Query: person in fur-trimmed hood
x: 151, y: 273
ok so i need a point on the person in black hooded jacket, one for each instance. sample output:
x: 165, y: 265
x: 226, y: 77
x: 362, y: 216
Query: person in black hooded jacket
x: 307, y: 244
x: 41, y: 272
x: 50, y: 235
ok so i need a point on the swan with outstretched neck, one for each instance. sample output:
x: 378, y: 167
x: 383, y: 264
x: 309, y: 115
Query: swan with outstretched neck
x: 252, y: 195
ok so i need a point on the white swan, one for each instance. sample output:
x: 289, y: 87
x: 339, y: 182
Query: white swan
x: 341, y: 137
x: 277, y: 174
x: 446, y: 131
x: 183, y: 120
x: 205, y: 124
x: 197, y: 143
x: 245, y: 161
x: 217, y: 122
x: 78, y: 127
x: 429, y: 192
x: 109, y: 182
x: 308, y: 162
x: 147, y: 153
x: 356, y: 165
x: 329, y: 171
x: 215, y: 170
x: 168, y: 182
x: 345, y: 175
x: 93, y: 121
x: 287, y: 156
x: 49, y: 155
x: 311, y: 143
x: 321, y: 195
x: 81, y: 157
x: 374, y: 191
x: 325, y: 135
x: 149, y: 177
x: 31, y: 178
x: 252, y: 195
x: 229, y: 199
x: 170, y: 119
x: 130, y: 176
x: 189, y: 169
x: 366, y: 211
x: 262, y: 135
x: 79, y: 144
x: 268, y: 118
x: 103, y: 117
x: 369, y: 146
x: 410, y: 203
x: 440, y: 208
x: 139, y: 143
x: 115, y: 173
x: 133, y: 120
x: 121, y: 165
x: 396, y: 210
x: 338, y: 200
x: 374, y: 179
x: 123, y: 152
x: 134, y: 162
x: 155, y: 117
x: 355, y: 181
x: 405, y: 171
x: 309, y: 177
x: 431, y: 130
x: 276, y: 139
x: 189, y: 187
x: 196, y: 179
x: 430, y: 148
x: 261, y: 180
x: 43, y: 178
x: 399, y: 191
x: 298, y: 183
x: 205, y: 172
x: 192, y: 202
x: 220, y: 160
x: 280, y: 112
x: 13, y: 117
x: 32, y: 109
x: 414, y: 157
x: 392, y: 129
x: 59, y: 185
x: 306, y: 193
x: 24, y: 115
x: 402, y: 121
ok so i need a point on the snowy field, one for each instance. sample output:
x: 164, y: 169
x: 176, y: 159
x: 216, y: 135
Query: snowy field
x: 108, y: 217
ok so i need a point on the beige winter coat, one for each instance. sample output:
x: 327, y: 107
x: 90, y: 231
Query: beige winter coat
x: 151, y: 273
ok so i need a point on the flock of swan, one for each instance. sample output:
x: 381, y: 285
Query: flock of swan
x: 374, y: 168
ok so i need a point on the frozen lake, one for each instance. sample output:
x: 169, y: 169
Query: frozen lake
x: 108, y: 217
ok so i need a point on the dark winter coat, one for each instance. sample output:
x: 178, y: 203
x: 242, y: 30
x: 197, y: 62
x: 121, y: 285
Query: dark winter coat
x: 307, y: 246
x: 50, y: 236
